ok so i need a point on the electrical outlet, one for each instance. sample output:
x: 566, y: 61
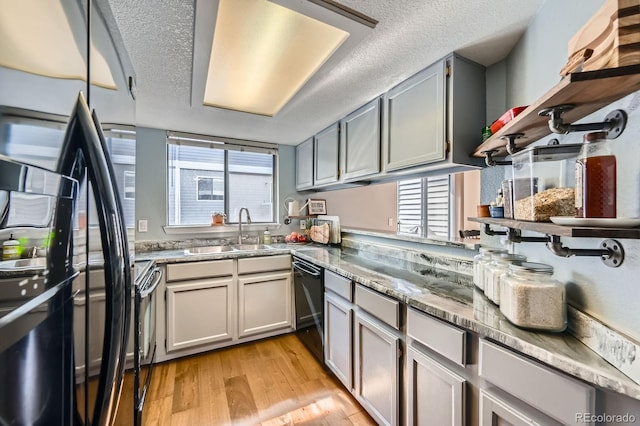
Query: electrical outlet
x: 391, y: 224
x: 142, y: 225
x: 303, y: 224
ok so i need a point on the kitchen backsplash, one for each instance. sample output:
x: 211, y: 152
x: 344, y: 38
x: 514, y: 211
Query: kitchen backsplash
x: 421, y: 261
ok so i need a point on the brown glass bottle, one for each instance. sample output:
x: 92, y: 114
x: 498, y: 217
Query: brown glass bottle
x: 596, y: 178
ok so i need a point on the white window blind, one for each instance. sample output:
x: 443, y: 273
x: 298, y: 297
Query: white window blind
x: 424, y: 206
x: 438, y: 202
x: 410, y: 206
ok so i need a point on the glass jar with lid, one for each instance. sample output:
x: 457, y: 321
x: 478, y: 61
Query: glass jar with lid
x: 531, y: 298
x: 480, y: 261
x: 494, y: 270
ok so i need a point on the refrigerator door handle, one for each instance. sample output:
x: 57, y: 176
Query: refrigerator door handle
x: 84, y: 151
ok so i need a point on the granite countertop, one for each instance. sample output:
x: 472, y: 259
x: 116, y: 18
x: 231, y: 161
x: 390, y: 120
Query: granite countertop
x: 442, y: 295
x: 470, y: 309
x: 182, y: 255
x: 470, y: 244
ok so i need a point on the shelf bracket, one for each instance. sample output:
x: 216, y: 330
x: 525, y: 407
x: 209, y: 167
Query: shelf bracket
x: 515, y: 236
x: 491, y: 162
x: 610, y: 251
x: 491, y: 232
x: 614, y: 123
x: 511, y: 142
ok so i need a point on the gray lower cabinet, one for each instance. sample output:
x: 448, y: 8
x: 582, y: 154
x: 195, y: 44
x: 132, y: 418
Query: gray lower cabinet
x: 304, y: 165
x: 326, y: 156
x: 360, y: 142
x: 439, y: 383
x: 264, y: 302
x: 551, y: 394
x: 499, y: 411
x: 199, y: 312
x: 377, y: 369
x: 435, y: 116
x: 338, y: 334
x: 436, y: 395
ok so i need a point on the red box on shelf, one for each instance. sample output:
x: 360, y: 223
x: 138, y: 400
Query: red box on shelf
x: 506, y: 117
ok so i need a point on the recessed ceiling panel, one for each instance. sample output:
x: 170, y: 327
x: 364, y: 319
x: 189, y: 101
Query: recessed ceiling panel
x: 44, y: 42
x: 263, y: 53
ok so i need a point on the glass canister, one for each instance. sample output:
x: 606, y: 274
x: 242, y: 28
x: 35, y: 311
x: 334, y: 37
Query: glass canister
x: 544, y: 181
x: 480, y: 261
x: 507, y: 194
x: 596, y: 178
x: 493, y: 272
x: 531, y: 298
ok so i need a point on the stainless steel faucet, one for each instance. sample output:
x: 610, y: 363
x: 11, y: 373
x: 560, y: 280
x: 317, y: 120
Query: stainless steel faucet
x: 240, y: 223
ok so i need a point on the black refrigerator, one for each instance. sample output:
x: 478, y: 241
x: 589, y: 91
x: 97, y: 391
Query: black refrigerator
x: 65, y: 275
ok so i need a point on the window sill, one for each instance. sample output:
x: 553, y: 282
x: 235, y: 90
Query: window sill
x: 218, y: 229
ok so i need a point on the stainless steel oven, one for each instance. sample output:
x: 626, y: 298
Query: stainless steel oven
x: 308, y: 282
x: 148, y: 277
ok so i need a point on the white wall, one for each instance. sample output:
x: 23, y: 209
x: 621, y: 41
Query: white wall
x: 609, y: 294
x: 367, y: 207
x: 371, y: 207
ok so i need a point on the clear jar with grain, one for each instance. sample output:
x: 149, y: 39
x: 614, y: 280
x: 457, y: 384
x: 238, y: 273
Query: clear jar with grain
x: 532, y: 299
x: 494, y: 272
x: 480, y: 261
x: 544, y: 181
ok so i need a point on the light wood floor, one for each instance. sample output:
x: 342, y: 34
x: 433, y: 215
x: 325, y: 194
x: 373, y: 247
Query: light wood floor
x: 269, y: 382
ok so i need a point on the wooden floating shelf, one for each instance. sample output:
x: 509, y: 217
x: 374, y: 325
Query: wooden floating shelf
x: 589, y: 91
x: 560, y: 230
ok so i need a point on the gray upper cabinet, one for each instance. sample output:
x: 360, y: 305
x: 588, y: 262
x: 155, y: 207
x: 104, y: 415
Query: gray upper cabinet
x: 415, y: 120
x: 326, y: 149
x: 435, y: 117
x: 304, y: 165
x: 431, y: 122
x: 360, y: 142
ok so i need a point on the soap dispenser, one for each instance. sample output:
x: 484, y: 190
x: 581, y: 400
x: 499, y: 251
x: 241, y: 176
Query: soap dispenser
x: 11, y: 249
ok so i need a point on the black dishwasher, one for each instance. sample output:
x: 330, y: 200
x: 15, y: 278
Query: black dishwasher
x: 308, y: 281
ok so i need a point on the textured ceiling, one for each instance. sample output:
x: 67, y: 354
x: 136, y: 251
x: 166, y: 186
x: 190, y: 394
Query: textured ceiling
x: 410, y: 35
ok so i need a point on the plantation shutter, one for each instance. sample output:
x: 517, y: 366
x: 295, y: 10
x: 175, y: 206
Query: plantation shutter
x: 410, y: 206
x: 424, y: 201
x: 438, y: 214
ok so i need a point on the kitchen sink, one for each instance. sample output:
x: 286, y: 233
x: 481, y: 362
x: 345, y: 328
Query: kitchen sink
x: 36, y: 262
x: 208, y: 249
x: 252, y: 247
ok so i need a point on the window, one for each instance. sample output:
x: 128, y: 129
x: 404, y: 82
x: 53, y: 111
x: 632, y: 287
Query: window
x: 129, y: 185
x: 424, y: 206
x: 207, y: 175
x: 209, y: 188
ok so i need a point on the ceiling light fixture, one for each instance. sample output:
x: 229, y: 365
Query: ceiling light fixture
x: 262, y: 53
x: 44, y: 42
